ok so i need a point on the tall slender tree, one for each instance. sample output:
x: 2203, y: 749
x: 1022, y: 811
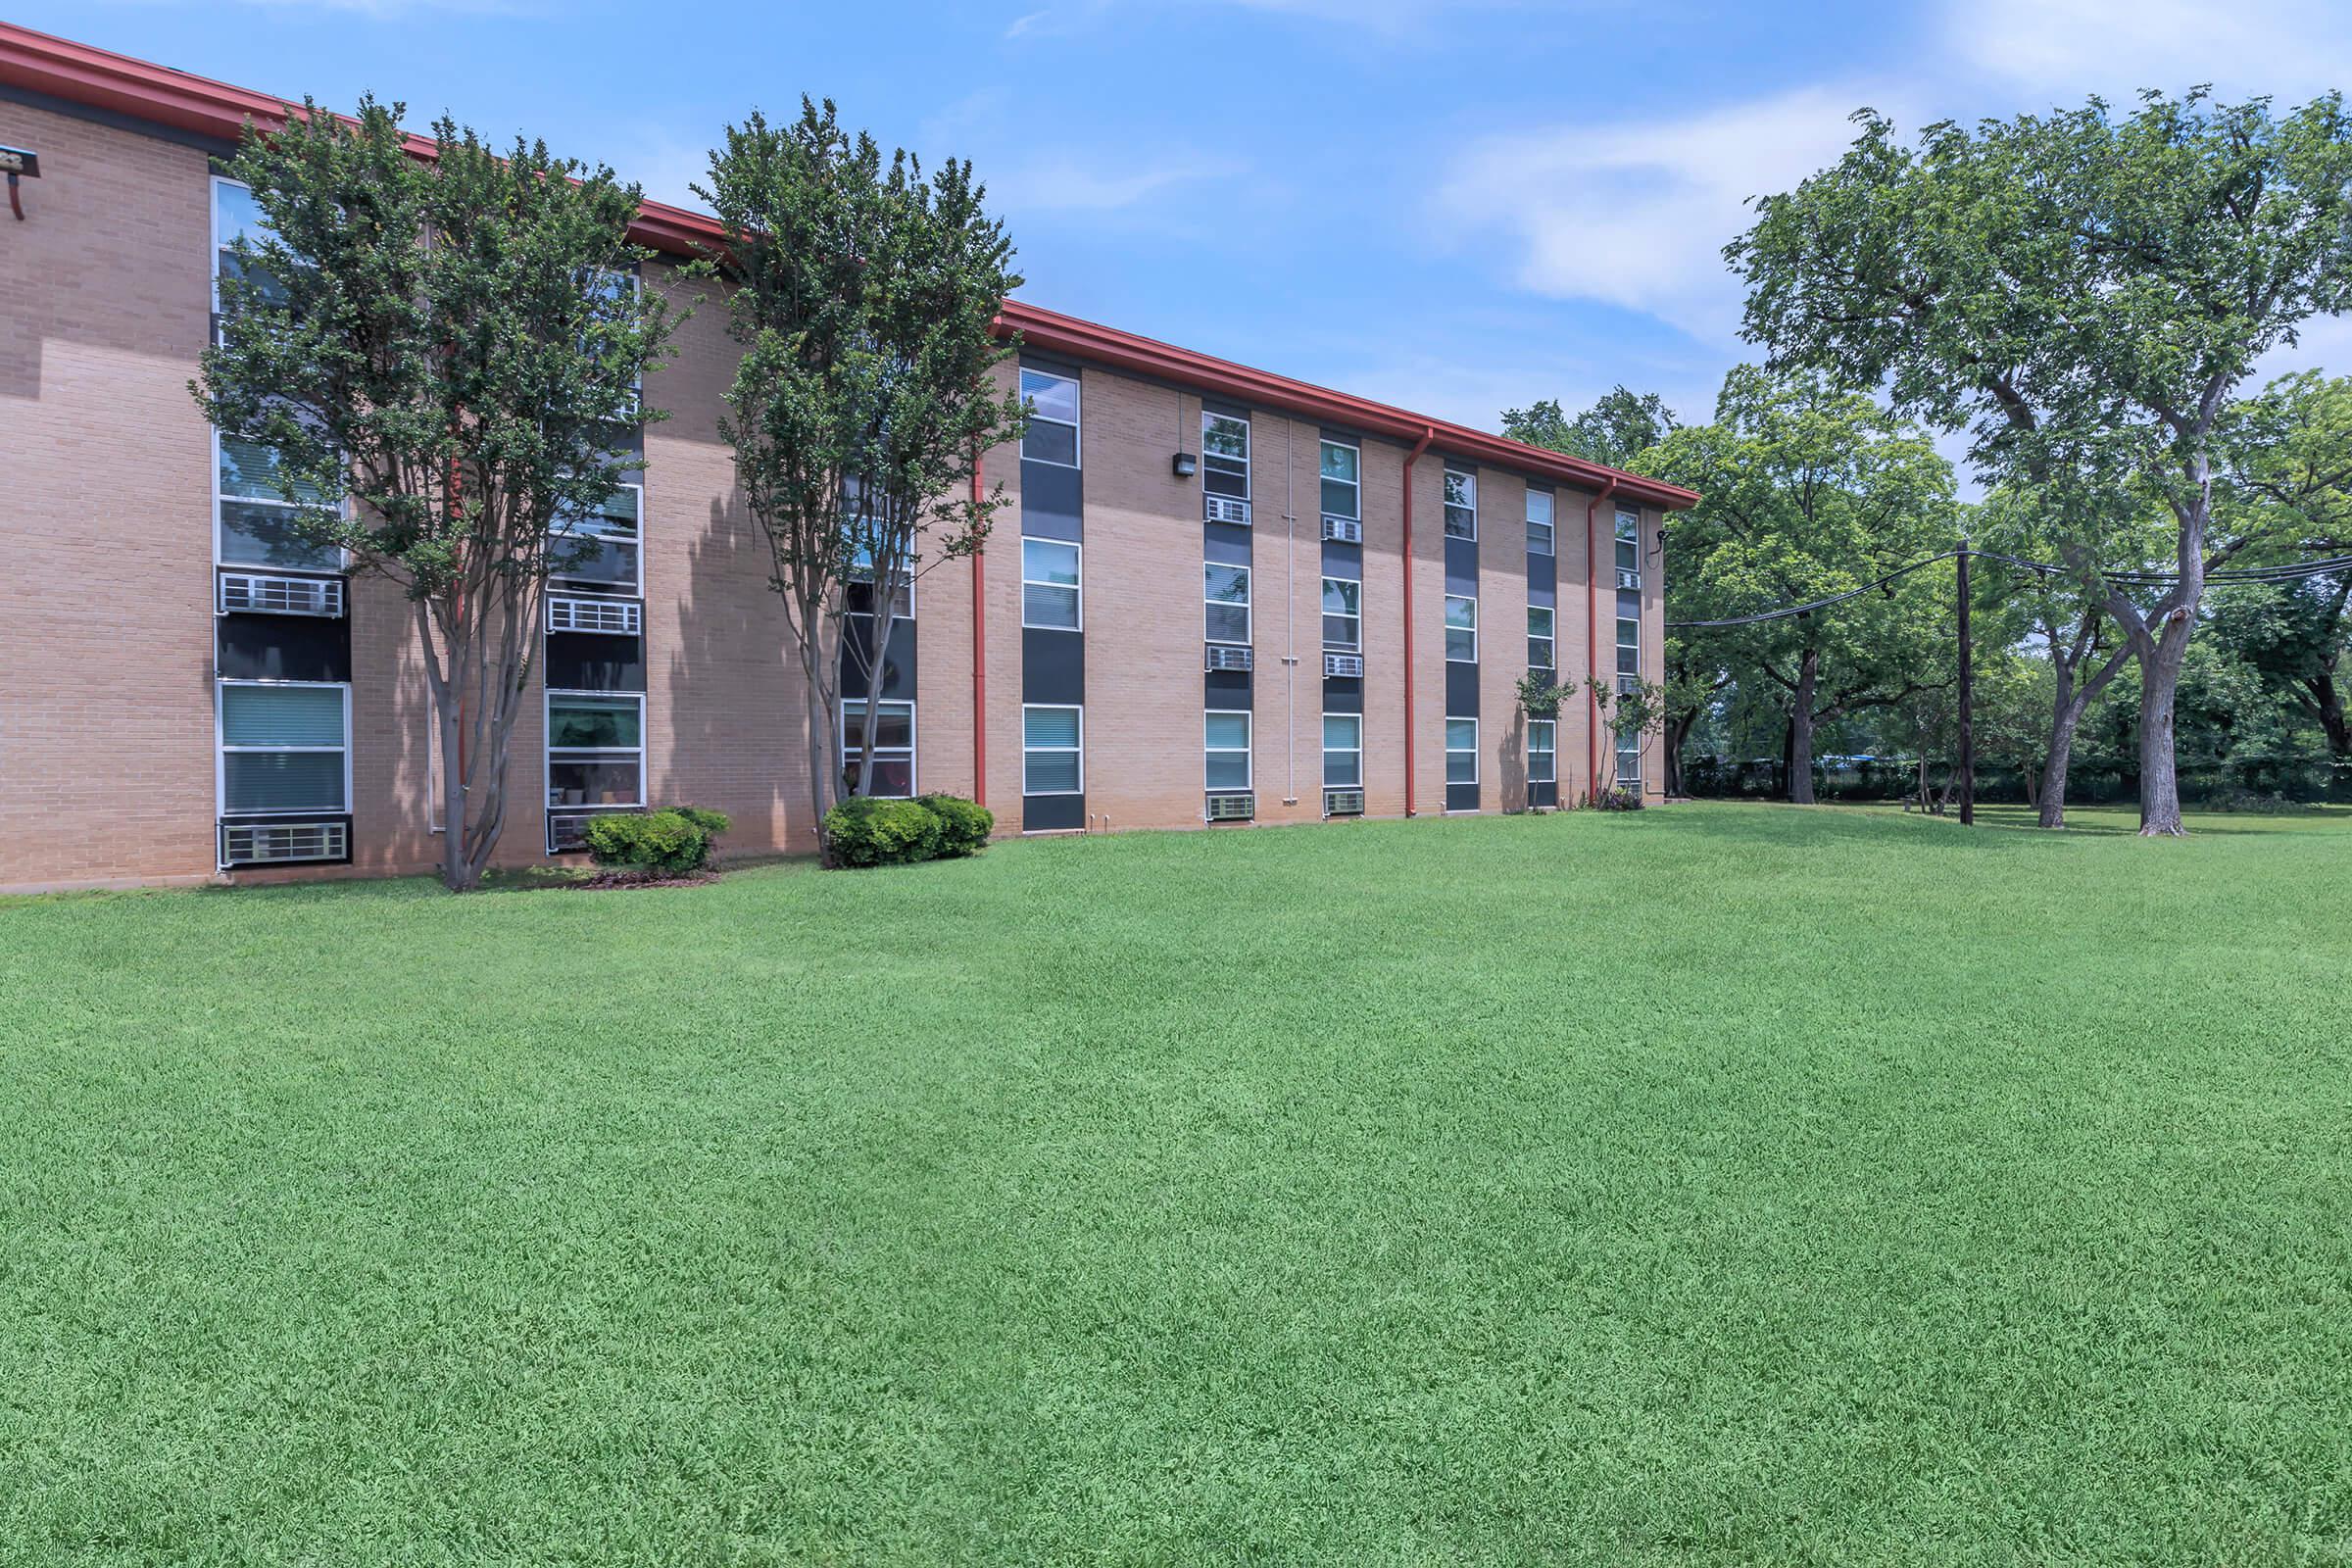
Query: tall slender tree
x: 2084, y: 292
x: 438, y: 354
x: 863, y: 294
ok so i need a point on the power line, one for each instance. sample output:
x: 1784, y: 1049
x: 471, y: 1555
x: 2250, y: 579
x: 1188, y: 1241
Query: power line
x: 2292, y: 573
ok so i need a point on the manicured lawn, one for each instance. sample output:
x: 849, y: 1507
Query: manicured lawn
x: 1723, y: 1185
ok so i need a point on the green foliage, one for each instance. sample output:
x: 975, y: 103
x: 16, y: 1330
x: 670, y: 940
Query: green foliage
x: 1541, y: 693
x: 864, y: 830
x: 863, y: 295
x: 1618, y: 798
x: 437, y: 361
x: 674, y: 842
x: 964, y: 825
x: 1614, y: 431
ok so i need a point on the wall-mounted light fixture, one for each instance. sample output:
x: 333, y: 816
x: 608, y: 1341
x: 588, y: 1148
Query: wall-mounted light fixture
x: 1186, y: 465
x: 19, y: 163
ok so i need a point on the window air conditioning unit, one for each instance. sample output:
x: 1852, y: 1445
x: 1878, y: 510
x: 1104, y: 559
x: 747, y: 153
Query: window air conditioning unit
x: 1225, y: 508
x: 1342, y: 530
x: 1627, y: 577
x: 254, y: 593
x: 1345, y: 667
x: 1228, y: 655
x: 283, y: 842
x: 1232, y: 808
x: 1342, y: 802
x: 623, y: 616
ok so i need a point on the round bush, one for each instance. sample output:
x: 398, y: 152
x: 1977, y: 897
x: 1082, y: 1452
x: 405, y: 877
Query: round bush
x: 864, y: 831
x: 964, y: 825
x: 670, y: 842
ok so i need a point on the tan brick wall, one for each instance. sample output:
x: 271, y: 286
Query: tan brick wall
x: 107, y: 761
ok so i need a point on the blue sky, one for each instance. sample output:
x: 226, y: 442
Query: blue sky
x: 1457, y: 207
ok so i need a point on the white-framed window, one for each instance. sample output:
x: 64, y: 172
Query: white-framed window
x: 861, y: 588
x: 595, y: 750
x: 1462, y: 751
x: 1053, y: 432
x: 1543, y: 751
x: 1461, y: 630
x: 1539, y: 522
x: 1051, y: 585
x: 1539, y: 637
x: 1461, y: 503
x: 600, y: 545
x: 1343, y: 613
x: 1225, y: 589
x: 893, y: 747
x: 1343, y: 751
x: 1224, y: 455
x: 1343, y: 480
x: 1226, y: 741
x: 282, y: 746
x: 1628, y: 541
x: 1629, y: 760
x: 1629, y: 642
x: 1053, y: 750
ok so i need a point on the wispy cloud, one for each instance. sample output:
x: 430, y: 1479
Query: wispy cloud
x: 2067, y: 48
x: 1107, y: 185
x: 1635, y: 215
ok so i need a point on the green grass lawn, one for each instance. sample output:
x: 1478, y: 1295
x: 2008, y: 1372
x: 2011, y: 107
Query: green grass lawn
x: 1723, y: 1185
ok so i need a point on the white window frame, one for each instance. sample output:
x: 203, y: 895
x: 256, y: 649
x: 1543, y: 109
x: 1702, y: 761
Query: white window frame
x: 1453, y: 750
x: 634, y: 587
x: 1449, y: 628
x: 1080, y: 749
x: 1077, y: 425
x: 1248, y: 449
x: 1628, y: 753
x: 221, y: 749
x: 1356, y: 484
x: 1356, y: 751
x: 1622, y: 644
x: 1248, y: 750
x: 1247, y: 604
x: 1446, y: 508
x: 882, y: 754
x: 865, y: 575
x: 1551, y: 728
x: 1078, y: 606
x: 1627, y: 530
x: 1358, y: 643
x: 1551, y: 523
x: 1549, y: 639
x: 571, y: 754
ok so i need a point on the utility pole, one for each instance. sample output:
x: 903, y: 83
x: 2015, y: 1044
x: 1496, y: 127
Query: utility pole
x: 1968, y: 701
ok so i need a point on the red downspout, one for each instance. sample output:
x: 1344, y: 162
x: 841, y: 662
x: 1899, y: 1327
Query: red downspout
x: 1429, y: 433
x: 1592, y: 642
x: 979, y: 659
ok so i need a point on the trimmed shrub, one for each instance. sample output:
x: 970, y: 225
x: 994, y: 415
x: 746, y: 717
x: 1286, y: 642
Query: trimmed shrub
x: 864, y: 831
x: 669, y: 843
x: 964, y: 825
x: 712, y: 824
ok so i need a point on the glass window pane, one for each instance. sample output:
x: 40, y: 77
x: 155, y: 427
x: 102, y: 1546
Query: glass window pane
x: 257, y: 535
x: 1050, y: 773
x: 1461, y: 734
x: 1629, y: 556
x: 1228, y: 731
x: 1342, y: 769
x: 1048, y: 442
x: 1461, y: 489
x: 1338, y: 499
x: 895, y: 731
x: 1227, y: 623
x: 1461, y: 768
x: 1629, y: 525
x: 892, y: 777
x: 1053, y: 397
x: 1628, y: 661
x: 1056, y: 608
x: 1342, y: 732
x: 1539, y: 620
x: 1461, y: 647
x: 1538, y: 538
x: 581, y: 782
x: 281, y: 715
x: 1050, y: 562
x: 1227, y: 770
x: 249, y: 471
x: 1223, y: 436
x: 592, y: 723
x: 585, y: 559
x: 282, y: 781
x: 1228, y: 585
x: 1461, y: 614
x: 1338, y: 463
x: 1341, y: 597
x: 1539, y: 508
x: 1050, y: 727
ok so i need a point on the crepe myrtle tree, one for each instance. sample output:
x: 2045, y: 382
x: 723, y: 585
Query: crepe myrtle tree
x: 2082, y: 291
x: 863, y: 294
x: 439, y: 356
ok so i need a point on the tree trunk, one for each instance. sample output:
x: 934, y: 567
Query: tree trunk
x: 2159, y: 775
x: 1677, y: 731
x: 2032, y: 783
x: 2330, y: 701
x: 1800, y: 731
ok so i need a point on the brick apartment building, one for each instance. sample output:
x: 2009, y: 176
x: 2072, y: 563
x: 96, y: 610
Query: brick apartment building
x: 1223, y: 597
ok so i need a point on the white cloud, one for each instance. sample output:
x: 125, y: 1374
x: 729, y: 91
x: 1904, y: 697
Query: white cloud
x: 1637, y: 215
x: 2065, y: 49
x: 1069, y: 185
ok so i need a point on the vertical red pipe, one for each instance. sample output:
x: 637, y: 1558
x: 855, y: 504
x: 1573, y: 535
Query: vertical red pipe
x: 979, y: 657
x: 1592, y: 641
x: 1429, y: 433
